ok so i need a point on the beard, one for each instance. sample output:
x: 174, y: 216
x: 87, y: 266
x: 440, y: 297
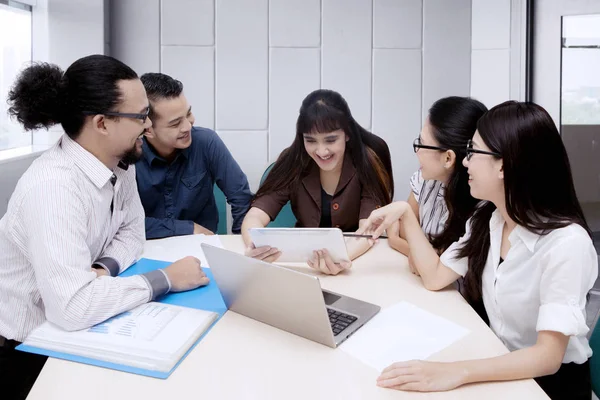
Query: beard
x: 131, y: 156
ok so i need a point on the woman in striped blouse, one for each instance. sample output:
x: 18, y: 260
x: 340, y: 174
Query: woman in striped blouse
x: 440, y: 195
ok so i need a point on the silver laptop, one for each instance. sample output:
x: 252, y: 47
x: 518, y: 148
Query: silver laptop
x: 286, y: 299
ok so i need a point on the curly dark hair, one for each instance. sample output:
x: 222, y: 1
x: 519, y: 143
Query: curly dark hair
x: 43, y: 95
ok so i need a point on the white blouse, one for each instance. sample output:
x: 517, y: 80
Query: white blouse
x: 542, y: 285
x: 433, y: 212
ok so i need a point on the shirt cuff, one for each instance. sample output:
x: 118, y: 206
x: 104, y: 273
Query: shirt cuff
x: 183, y: 227
x: 158, y: 282
x: 109, y: 264
x: 450, y: 260
x: 563, y: 318
x: 167, y: 278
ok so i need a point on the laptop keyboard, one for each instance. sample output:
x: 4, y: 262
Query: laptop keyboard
x: 339, y: 321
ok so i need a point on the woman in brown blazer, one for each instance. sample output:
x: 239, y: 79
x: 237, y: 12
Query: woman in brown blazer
x: 334, y: 174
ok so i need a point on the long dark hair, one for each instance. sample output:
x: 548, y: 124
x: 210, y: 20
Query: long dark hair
x: 43, y: 95
x: 325, y: 111
x: 454, y: 121
x: 538, y: 184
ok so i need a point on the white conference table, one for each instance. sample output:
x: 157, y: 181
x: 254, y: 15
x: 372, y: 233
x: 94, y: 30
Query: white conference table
x: 244, y: 359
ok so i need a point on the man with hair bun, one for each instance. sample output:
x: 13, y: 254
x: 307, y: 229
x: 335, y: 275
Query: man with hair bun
x: 75, y: 220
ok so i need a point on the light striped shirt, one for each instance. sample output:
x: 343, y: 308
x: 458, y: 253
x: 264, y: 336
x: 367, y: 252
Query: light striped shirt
x: 433, y: 212
x: 64, y: 216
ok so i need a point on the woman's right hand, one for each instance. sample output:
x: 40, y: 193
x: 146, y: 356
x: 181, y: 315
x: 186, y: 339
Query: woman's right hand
x: 322, y: 261
x: 382, y: 218
x: 264, y: 253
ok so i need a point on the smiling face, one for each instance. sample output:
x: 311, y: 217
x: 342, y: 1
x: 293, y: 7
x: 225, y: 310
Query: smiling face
x: 125, y: 134
x: 327, y: 149
x: 172, y: 121
x: 486, y: 176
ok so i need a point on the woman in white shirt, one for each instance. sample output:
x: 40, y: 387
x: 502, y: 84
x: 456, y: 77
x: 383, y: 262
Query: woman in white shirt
x: 527, y: 252
x: 439, y: 189
x: 440, y: 196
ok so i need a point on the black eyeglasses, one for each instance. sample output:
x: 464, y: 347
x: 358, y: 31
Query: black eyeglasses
x: 142, y: 117
x: 417, y: 145
x: 471, y: 151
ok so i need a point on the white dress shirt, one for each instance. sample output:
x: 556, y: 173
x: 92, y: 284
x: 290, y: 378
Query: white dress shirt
x: 542, y: 285
x: 64, y: 216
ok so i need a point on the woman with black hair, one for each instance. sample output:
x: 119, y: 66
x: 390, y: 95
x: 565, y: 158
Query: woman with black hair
x: 527, y: 253
x: 440, y: 195
x: 334, y: 174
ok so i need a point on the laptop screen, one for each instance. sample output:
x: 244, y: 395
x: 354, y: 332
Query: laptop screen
x: 330, y: 298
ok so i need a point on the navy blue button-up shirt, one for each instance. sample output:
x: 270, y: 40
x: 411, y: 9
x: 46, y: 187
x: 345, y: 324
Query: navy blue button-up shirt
x: 177, y: 194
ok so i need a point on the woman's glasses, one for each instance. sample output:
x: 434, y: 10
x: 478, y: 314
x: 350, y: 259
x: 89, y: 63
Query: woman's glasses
x: 417, y: 145
x: 471, y: 151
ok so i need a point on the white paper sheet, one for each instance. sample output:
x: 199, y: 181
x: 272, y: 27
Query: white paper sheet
x: 151, y: 336
x: 177, y: 247
x: 401, y: 332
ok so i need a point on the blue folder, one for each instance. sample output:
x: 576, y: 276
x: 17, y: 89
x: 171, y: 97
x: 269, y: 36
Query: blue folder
x: 204, y: 298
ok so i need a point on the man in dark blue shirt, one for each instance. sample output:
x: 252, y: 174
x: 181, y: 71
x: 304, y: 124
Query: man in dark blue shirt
x: 180, y: 165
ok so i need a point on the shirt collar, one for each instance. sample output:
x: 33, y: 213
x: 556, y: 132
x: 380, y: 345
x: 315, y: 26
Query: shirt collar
x: 529, y: 238
x: 312, y: 181
x: 526, y: 236
x: 150, y: 154
x: 348, y: 172
x: 88, y: 163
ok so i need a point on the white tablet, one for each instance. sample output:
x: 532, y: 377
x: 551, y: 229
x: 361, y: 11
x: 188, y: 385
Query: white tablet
x: 298, y: 244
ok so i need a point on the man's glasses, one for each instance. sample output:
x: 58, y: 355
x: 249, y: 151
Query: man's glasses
x: 471, y: 151
x: 141, y: 117
x: 417, y: 145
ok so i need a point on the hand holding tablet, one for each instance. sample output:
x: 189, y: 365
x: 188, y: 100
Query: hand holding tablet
x: 299, y: 244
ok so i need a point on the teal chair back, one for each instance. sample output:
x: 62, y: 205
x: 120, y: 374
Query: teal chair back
x: 285, y: 218
x: 595, y: 361
x: 222, y: 210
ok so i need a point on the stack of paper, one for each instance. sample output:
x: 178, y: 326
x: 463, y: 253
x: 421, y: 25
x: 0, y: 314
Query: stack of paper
x: 149, y: 340
x: 152, y: 336
x: 402, y: 332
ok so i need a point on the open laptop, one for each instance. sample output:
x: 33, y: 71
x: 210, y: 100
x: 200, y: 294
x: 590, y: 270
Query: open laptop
x: 286, y: 299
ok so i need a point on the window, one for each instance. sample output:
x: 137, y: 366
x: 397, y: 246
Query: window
x: 580, y: 110
x: 580, y: 65
x: 15, y: 53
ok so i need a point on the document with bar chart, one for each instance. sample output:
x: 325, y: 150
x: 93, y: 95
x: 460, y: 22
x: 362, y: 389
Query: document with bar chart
x: 142, y: 323
x: 150, y: 337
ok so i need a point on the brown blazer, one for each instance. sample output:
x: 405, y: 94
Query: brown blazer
x: 348, y: 206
